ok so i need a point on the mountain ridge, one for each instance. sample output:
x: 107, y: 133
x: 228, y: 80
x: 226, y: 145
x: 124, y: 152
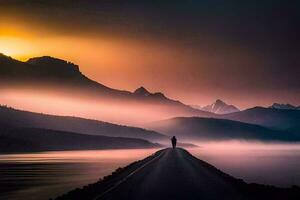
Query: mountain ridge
x: 10, y: 117
x: 277, y: 119
x: 218, y: 107
x: 197, y: 128
x: 283, y: 106
x: 66, y: 75
x: 17, y: 140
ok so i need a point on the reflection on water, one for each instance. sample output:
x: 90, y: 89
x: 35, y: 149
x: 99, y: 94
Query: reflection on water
x: 44, y: 175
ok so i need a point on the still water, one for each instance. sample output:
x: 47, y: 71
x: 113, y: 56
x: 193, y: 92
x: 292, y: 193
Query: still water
x: 44, y: 175
x: 39, y: 176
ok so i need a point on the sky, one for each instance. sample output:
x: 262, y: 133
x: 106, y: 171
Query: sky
x: 243, y: 52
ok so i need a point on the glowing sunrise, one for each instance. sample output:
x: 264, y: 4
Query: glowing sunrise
x: 123, y: 54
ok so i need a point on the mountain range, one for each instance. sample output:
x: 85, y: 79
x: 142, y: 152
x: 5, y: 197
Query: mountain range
x: 253, y: 123
x: 199, y: 129
x: 10, y: 117
x: 218, y: 107
x: 49, y: 70
x: 13, y: 140
x: 22, y: 131
x: 284, y: 106
x: 277, y: 119
x: 27, y: 131
x: 52, y: 74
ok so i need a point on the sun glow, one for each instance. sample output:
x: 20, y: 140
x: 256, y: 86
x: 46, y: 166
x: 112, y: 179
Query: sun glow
x: 15, y: 47
x: 15, y: 41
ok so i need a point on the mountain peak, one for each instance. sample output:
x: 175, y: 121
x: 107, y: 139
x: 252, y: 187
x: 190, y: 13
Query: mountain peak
x: 219, y: 107
x: 159, y: 95
x: 219, y: 102
x: 46, y: 69
x: 4, y: 57
x: 142, y: 91
x: 284, y: 106
x: 53, y: 64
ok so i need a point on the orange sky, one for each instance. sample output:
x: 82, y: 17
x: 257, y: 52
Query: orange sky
x: 194, y: 74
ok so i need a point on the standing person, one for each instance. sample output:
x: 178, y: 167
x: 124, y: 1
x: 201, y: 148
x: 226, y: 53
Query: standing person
x: 174, y: 141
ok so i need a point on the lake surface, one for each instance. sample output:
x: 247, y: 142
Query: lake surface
x: 39, y: 176
x: 44, y: 175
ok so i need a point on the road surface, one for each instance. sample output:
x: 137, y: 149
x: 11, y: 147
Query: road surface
x: 174, y: 174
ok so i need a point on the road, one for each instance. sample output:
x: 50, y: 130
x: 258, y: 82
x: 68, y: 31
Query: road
x: 174, y: 174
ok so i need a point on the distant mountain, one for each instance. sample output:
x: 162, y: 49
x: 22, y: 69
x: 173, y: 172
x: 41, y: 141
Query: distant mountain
x: 284, y: 106
x: 48, y: 73
x: 39, y: 68
x: 22, y: 119
x: 218, y: 107
x: 45, y: 70
x: 32, y: 139
x: 199, y: 129
x: 279, y: 119
x: 141, y: 91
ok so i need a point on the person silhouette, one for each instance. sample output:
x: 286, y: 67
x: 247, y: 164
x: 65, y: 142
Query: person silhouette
x: 174, y: 141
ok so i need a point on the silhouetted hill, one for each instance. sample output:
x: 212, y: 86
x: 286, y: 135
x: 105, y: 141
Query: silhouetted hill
x: 141, y: 91
x: 280, y: 119
x: 48, y: 71
x: 144, y: 93
x: 32, y: 139
x: 23, y: 119
x: 194, y: 128
x: 43, y: 70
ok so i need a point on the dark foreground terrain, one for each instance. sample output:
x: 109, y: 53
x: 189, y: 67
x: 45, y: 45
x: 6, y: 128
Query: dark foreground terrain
x: 19, y: 140
x: 176, y: 174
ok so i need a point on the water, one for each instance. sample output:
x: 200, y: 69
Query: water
x: 39, y: 176
x: 44, y: 175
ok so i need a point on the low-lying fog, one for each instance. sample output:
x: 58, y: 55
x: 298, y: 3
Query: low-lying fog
x: 85, y: 105
x: 267, y: 163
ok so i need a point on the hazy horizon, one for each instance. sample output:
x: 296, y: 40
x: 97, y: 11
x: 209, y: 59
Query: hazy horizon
x: 7, y: 89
